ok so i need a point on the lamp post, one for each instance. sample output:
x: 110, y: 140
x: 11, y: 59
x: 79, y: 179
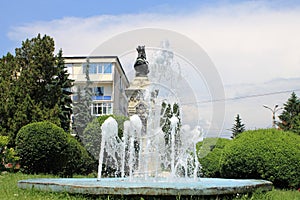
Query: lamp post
x: 274, y: 110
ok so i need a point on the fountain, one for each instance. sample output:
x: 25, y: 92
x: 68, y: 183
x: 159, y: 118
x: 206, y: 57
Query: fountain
x: 149, y: 159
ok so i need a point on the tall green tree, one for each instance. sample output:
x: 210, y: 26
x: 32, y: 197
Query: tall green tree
x: 8, y: 79
x: 64, y: 84
x: 82, y: 106
x: 290, y: 116
x: 238, y: 127
x: 36, y: 62
x: 33, y: 87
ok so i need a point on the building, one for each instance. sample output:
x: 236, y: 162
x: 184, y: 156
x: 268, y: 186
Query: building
x: 108, y: 82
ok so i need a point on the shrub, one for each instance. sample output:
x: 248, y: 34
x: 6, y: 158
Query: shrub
x: 46, y: 148
x: 91, y: 137
x: 79, y: 161
x: 209, y: 153
x: 268, y: 154
x: 3, y: 143
x: 8, y: 158
x: 42, y: 147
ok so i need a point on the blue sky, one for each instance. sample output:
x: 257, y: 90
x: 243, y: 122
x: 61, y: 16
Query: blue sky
x: 17, y: 12
x: 255, y: 45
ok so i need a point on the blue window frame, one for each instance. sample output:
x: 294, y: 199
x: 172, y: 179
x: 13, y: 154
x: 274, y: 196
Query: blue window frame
x: 107, y: 68
x: 98, y: 68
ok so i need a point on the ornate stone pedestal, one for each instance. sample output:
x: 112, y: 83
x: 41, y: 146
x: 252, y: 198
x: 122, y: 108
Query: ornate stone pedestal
x: 141, y: 102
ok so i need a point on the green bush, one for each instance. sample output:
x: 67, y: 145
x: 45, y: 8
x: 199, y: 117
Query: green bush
x: 3, y: 143
x: 268, y: 154
x: 46, y: 148
x: 209, y: 152
x: 42, y: 147
x: 79, y: 161
x: 91, y: 137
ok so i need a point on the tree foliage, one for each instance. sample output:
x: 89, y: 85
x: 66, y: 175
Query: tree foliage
x: 167, y: 112
x: 82, y: 106
x: 210, y: 162
x: 8, y: 80
x: 63, y: 82
x: 33, y: 87
x: 268, y: 154
x: 91, y: 136
x: 44, y: 147
x: 238, y: 127
x: 290, y: 117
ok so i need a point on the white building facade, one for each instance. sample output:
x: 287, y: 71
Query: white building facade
x: 108, y: 82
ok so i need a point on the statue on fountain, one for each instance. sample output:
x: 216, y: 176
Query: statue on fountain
x: 141, y: 64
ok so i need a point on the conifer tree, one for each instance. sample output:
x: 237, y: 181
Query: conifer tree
x: 8, y: 78
x: 82, y: 106
x: 29, y: 92
x: 64, y: 84
x: 290, y: 116
x: 238, y: 127
x: 36, y: 62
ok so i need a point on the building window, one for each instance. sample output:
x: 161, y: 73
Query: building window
x: 98, y: 94
x: 98, y: 68
x: 92, y: 68
x: 107, y: 68
x: 101, y: 109
x: 99, y: 91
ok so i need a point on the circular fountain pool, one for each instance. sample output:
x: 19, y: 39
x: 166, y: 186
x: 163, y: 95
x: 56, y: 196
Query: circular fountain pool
x: 121, y: 186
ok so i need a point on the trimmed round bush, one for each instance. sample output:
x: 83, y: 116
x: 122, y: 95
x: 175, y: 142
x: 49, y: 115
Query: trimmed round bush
x: 209, y: 154
x: 79, y: 161
x: 42, y: 147
x: 268, y: 154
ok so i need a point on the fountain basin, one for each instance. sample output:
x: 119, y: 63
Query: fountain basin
x: 123, y: 186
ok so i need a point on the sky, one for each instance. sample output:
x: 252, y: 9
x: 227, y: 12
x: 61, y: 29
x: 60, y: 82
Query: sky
x: 254, y: 45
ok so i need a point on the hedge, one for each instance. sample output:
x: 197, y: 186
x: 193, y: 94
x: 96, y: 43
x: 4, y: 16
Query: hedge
x: 209, y: 153
x: 268, y: 154
x: 44, y: 147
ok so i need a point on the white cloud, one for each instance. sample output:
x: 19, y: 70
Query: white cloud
x: 247, y: 42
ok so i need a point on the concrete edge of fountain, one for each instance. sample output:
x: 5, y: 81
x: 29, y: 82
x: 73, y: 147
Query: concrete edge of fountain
x: 121, y: 186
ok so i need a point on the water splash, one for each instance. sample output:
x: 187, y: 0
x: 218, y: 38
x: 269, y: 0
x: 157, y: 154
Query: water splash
x: 139, y: 156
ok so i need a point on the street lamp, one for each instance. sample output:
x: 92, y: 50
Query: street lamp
x: 274, y: 110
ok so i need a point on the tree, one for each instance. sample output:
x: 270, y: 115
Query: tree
x: 167, y: 112
x: 82, y: 106
x: 238, y: 127
x: 33, y: 87
x: 8, y: 78
x: 290, y: 117
x: 64, y: 84
x: 36, y: 63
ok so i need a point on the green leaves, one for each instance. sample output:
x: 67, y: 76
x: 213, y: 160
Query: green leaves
x: 290, y: 117
x: 34, y: 86
x: 264, y: 154
x: 238, y: 127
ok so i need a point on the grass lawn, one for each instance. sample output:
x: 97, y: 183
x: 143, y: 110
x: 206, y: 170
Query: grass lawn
x: 10, y: 191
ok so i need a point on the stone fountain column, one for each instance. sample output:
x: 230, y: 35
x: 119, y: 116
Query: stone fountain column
x: 141, y: 101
